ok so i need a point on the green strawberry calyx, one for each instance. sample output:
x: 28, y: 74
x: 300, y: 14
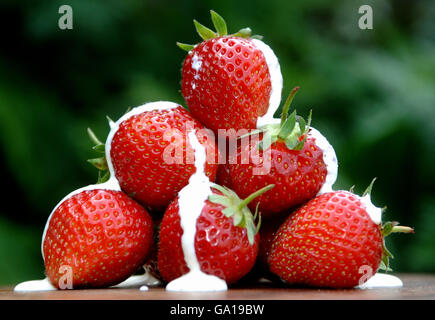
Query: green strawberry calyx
x: 220, y: 31
x: 292, y: 129
x: 237, y: 208
x: 101, y: 162
x: 386, y: 229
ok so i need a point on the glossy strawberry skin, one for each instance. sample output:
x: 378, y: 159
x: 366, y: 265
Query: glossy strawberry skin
x: 226, y: 83
x: 223, y: 175
x: 137, y: 154
x: 222, y: 249
x: 298, y: 176
x: 326, y: 241
x: 103, y: 235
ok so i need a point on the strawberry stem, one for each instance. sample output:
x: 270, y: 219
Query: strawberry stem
x: 254, y: 195
x: 388, y: 228
x: 402, y: 229
x: 287, y: 104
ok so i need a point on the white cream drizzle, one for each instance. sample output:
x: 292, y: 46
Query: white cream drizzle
x: 35, y: 285
x: 374, y: 212
x: 275, y: 79
x: 142, y: 281
x: 191, y: 201
x: 329, y: 158
x: 381, y: 280
x: 196, y: 65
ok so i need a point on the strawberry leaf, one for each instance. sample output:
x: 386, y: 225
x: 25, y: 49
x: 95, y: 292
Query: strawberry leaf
x: 257, y: 36
x: 225, y: 191
x: 288, y: 126
x: 300, y: 145
x: 251, y: 231
x: 100, y: 148
x: 309, y: 121
x: 237, y: 208
x: 103, y: 176
x: 228, y: 212
x: 219, y: 23
x: 369, y: 188
x: 237, y: 218
x: 99, y: 163
x: 93, y: 137
x: 218, y: 199
x: 291, y: 142
x: 302, y: 124
x: 252, y: 132
x: 185, y: 47
x: 259, y: 219
x: 243, y: 33
x: 267, y: 141
x: 204, y: 32
x: 384, y: 267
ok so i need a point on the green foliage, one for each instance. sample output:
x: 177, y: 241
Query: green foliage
x: 20, y: 253
x: 371, y: 92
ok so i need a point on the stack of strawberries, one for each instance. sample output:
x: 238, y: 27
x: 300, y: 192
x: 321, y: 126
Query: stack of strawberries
x: 205, y: 195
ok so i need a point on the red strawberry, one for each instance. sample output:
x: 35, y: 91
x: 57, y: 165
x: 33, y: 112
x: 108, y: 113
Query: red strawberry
x: 291, y: 159
x: 229, y: 81
x: 102, y: 235
x: 144, y: 142
x: 226, y: 239
x: 223, y: 175
x: 327, y: 241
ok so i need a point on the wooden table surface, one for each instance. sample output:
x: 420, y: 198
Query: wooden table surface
x: 415, y: 287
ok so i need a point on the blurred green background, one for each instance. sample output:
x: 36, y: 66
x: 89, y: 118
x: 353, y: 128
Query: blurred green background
x: 372, y: 93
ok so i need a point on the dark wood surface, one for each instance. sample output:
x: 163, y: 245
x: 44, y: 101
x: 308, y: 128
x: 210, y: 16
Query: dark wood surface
x: 415, y: 287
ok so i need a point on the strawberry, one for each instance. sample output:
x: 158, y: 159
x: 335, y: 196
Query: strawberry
x: 223, y: 175
x: 229, y: 81
x: 327, y: 241
x: 226, y: 239
x: 148, y: 152
x: 102, y: 235
x: 287, y: 155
